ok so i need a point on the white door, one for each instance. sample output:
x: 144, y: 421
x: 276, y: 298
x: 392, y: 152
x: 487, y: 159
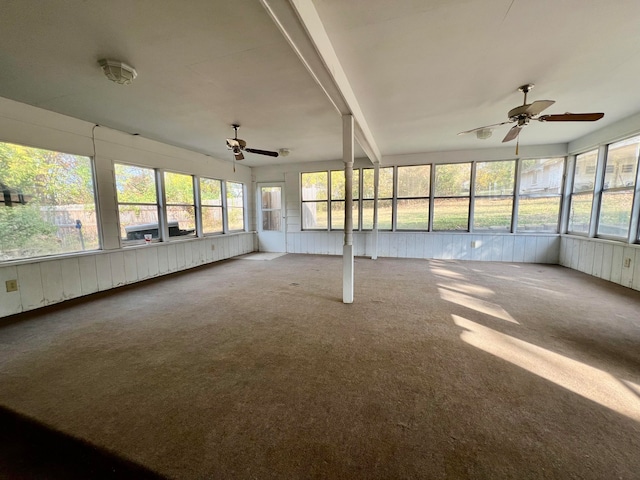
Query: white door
x: 271, y: 218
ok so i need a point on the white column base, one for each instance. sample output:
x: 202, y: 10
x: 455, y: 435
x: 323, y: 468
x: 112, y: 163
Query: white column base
x: 347, y: 274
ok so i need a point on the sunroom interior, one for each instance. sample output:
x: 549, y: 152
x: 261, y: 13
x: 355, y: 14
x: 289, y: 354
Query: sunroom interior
x: 107, y: 185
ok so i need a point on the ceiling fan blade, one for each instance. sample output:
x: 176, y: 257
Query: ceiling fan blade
x: 238, y: 154
x: 261, y: 152
x: 572, y: 117
x: 512, y: 133
x: 538, y: 106
x: 482, y: 128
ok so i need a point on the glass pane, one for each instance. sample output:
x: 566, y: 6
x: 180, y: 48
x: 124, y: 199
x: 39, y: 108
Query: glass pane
x: 337, y: 184
x: 210, y: 192
x: 235, y: 194
x: 178, y: 188
x: 137, y: 220
x: 622, y: 163
x: 135, y: 184
x: 492, y: 213
x: 585, y: 175
x: 542, y: 175
x: 538, y: 214
x: 181, y: 220
x: 314, y: 215
x: 385, y: 185
x: 271, y: 197
x: 414, y: 181
x: 272, y: 220
x: 580, y: 213
x: 452, y: 180
x: 615, y: 213
x: 495, y: 178
x: 412, y: 214
x: 314, y: 186
x: 236, y: 218
x: 52, y: 207
x: 337, y: 215
x: 451, y: 214
x: 384, y: 214
x: 212, y: 220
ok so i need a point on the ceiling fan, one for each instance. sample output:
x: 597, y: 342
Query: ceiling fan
x: 238, y: 146
x: 526, y: 112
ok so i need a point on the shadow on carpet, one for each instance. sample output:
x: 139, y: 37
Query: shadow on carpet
x: 30, y: 450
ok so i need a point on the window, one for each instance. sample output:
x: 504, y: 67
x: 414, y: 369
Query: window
x: 582, y: 192
x: 137, y: 202
x: 235, y: 206
x: 315, y: 200
x: 211, y: 205
x: 338, y: 198
x: 181, y: 210
x: 540, y: 194
x: 451, y: 196
x: 47, y: 203
x: 618, y: 188
x: 493, y: 192
x: 412, y: 207
x: 385, y: 198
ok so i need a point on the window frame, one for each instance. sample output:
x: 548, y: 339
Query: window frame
x: 435, y: 196
x: 475, y: 196
x: 573, y: 194
x: 167, y: 204
x: 229, y: 208
x: 202, y: 207
x: 160, y: 216
x: 521, y: 196
x: 398, y: 198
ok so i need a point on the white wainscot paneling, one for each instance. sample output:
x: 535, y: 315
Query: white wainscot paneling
x: 616, y: 264
x: 103, y: 269
x: 130, y: 266
x: 9, y: 301
x: 52, y: 281
x: 88, y: 274
x: 30, y: 286
x: 71, y: 281
x: 152, y: 262
x: 118, y: 276
x: 142, y: 262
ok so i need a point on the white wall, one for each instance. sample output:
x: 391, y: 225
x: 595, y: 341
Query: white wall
x: 602, y: 258
x: 51, y: 280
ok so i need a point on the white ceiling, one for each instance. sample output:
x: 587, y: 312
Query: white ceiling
x: 421, y: 70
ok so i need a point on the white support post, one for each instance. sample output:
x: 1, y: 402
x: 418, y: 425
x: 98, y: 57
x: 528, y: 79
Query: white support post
x: 347, y: 250
x: 374, y: 232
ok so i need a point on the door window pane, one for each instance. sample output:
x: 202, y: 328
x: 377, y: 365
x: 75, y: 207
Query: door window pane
x: 271, y: 208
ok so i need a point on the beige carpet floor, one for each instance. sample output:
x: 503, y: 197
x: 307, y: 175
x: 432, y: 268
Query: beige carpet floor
x: 257, y: 370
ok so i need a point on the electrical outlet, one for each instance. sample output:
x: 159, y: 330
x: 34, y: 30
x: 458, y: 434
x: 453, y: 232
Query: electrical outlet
x: 627, y: 262
x: 213, y: 247
x: 474, y: 244
x: 12, y: 285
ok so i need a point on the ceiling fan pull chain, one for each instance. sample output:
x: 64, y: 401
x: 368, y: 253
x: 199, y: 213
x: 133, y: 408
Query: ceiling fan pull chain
x: 517, y: 145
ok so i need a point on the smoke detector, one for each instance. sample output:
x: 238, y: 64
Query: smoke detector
x: 118, y: 72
